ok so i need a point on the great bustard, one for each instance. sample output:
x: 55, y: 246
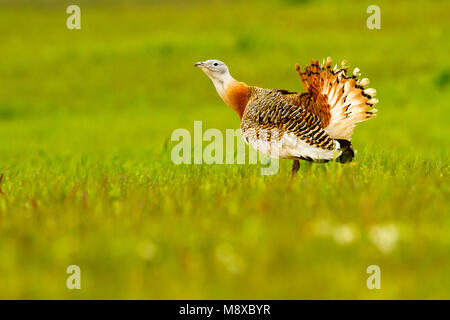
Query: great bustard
x: 315, y: 125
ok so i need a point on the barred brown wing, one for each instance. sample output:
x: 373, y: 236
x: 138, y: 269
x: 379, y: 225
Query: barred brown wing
x: 267, y: 110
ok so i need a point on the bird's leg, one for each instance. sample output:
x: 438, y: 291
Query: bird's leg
x: 295, y: 167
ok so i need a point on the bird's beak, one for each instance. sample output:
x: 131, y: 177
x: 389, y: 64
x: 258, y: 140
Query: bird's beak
x: 199, y: 64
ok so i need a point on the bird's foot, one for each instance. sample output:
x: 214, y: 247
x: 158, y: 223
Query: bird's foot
x: 295, y: 167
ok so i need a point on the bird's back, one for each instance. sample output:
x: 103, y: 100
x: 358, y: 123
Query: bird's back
x: 276, y: 121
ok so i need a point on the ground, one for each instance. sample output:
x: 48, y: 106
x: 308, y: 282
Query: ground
x: 86, y: 118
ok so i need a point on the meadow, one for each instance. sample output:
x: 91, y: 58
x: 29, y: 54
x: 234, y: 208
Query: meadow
x: 86, y: 118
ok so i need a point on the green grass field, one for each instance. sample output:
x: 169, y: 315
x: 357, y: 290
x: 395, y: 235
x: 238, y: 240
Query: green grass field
x: 86, y: 118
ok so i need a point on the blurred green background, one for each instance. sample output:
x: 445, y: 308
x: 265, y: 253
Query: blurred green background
x: 85, y: 123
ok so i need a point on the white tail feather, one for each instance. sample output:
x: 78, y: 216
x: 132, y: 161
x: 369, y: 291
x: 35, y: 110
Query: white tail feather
x: 349, y: 101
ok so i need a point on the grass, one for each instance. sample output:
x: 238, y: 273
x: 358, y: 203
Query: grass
x: 85, y: 122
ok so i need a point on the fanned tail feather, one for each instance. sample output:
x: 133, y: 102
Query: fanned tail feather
x: 348, y: 100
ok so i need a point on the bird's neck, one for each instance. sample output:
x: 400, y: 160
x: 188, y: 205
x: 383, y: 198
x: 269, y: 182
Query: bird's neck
x: 234, y: 93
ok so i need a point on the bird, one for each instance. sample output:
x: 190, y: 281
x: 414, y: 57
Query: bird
x: 315, y: 125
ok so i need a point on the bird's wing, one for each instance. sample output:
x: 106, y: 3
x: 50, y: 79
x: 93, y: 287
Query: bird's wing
x: 339, y: 100
x: 269, y: 117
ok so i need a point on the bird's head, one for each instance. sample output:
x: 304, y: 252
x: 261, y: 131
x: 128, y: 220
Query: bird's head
x: 216, y: 70
x: 234, y: 93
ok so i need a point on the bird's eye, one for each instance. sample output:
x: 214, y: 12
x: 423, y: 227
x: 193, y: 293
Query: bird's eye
x: 216, y: 64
